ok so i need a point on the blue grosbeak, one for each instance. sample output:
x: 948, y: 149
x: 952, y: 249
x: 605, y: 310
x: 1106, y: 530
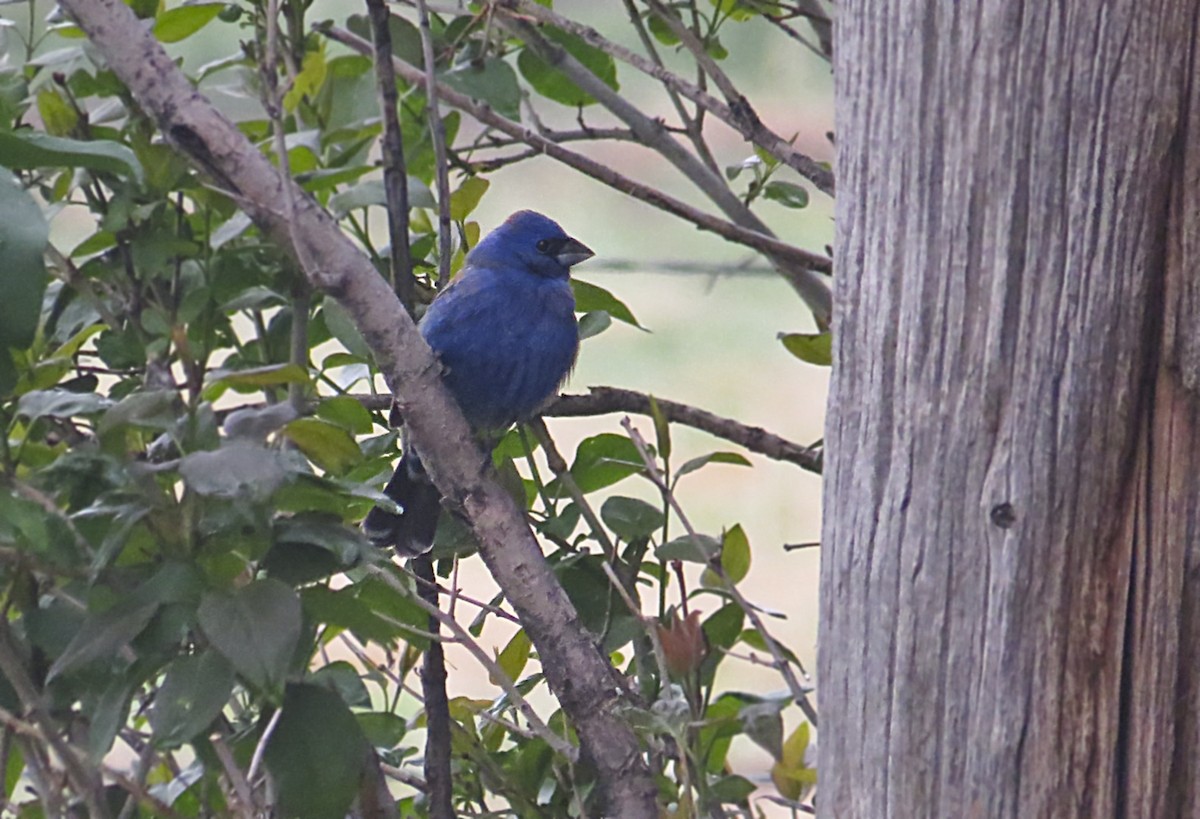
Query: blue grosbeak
x: 506, y: 336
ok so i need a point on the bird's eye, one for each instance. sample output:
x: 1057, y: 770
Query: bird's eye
x: 543, y: 245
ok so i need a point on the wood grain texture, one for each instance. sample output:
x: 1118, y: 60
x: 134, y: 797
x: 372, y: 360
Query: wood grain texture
x: 1012, y: 462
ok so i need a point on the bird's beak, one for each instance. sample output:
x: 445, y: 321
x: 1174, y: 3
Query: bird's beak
x: 571, y: 252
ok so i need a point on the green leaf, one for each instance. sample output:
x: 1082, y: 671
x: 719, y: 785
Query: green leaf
x: 349, y: 544
x: 711, y: 458
x: 239, y: 468
x: 253, y: 379
x: 589, y: 297
x: 753, y: 638
x: 789, y: 773
x: 491, y: 80
x: 406, y: 37
x: 732, y: 789
x: 552, y: 83
x: 328, y: 446
x: 103, y: 635
x: 26, y: 150
x: 348, y: 413
x: 315, y: 754
x: 661, y: 31
x: 698, y: 549
x: 343, y: 329
x: 815, y: 348
x: 382, y: 728
x: 344, y: 680
x: 57, y: 114
x: 194, y: 691
x: 630, y: 518
x: 724, y: 627
x: 604, y: 459
x: 23, y: 238
x: 735, y: 554
x: 742, y: 10
x: 762, y: 722
x: 514, y: 656
x: 786, y: 194
x: 15, y: 771
x: 181, y: 22
x: 308, y: 80
x: 662, y: 428
x: 464, y: 200
x: 593, y: 324
x: 24, y: 523
x: 343, y: 609
x: 107, y: 715
x: 256, y: 628
x: 60, y: 404
x: 372, y: 192
x: 153, y: 409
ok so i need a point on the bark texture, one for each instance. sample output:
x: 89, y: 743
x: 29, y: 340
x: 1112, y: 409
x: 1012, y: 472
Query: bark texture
x: 1010, y: 604
x: 590, y: 691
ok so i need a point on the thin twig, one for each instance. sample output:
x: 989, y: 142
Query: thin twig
x: 558, y: 466
x: 437, y: 704
x: 437, y: 132
x: 261, y: 747
x: 693, y: 125
x: 495, y: 672
x: 601, y: 172
x: 412, y: 780
x: 85, y: 783
x: 237, y: 779
x: 810, y: 287
x: 395, y: 170
x: 750, y: 127
x: 798, y: 692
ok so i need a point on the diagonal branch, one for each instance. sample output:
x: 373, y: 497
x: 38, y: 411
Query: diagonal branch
x: 737, y: 114
x: 793, y: 263
x: 652, y: 134
x: 589, y: 690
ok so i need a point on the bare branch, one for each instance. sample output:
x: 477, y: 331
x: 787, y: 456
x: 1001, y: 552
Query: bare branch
x: 395, y: 169
x: 742, y: 120
x: 812, y: 288
x: 794, y: 260
x: 602, y: 400
x: 437, y: 132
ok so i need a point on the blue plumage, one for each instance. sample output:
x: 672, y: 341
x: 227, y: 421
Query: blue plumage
x: 506, y: 336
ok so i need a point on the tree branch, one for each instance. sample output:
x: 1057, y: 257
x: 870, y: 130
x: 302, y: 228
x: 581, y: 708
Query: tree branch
x: 437, y: 133
x: 589, y: 690
x: 740, y: 117
x: 601, y: 400
x: 395, y: 169
x: 811, y: 287
x: 794, y: 258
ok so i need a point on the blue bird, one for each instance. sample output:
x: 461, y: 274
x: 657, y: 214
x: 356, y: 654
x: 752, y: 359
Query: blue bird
x: 506, y: 336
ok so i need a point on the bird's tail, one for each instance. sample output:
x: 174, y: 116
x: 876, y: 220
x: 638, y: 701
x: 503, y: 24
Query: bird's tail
x: 411, y: 531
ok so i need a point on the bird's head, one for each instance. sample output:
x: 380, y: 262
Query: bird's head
x: 532, y: 242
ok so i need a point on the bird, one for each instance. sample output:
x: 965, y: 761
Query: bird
x: 505, y: 334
